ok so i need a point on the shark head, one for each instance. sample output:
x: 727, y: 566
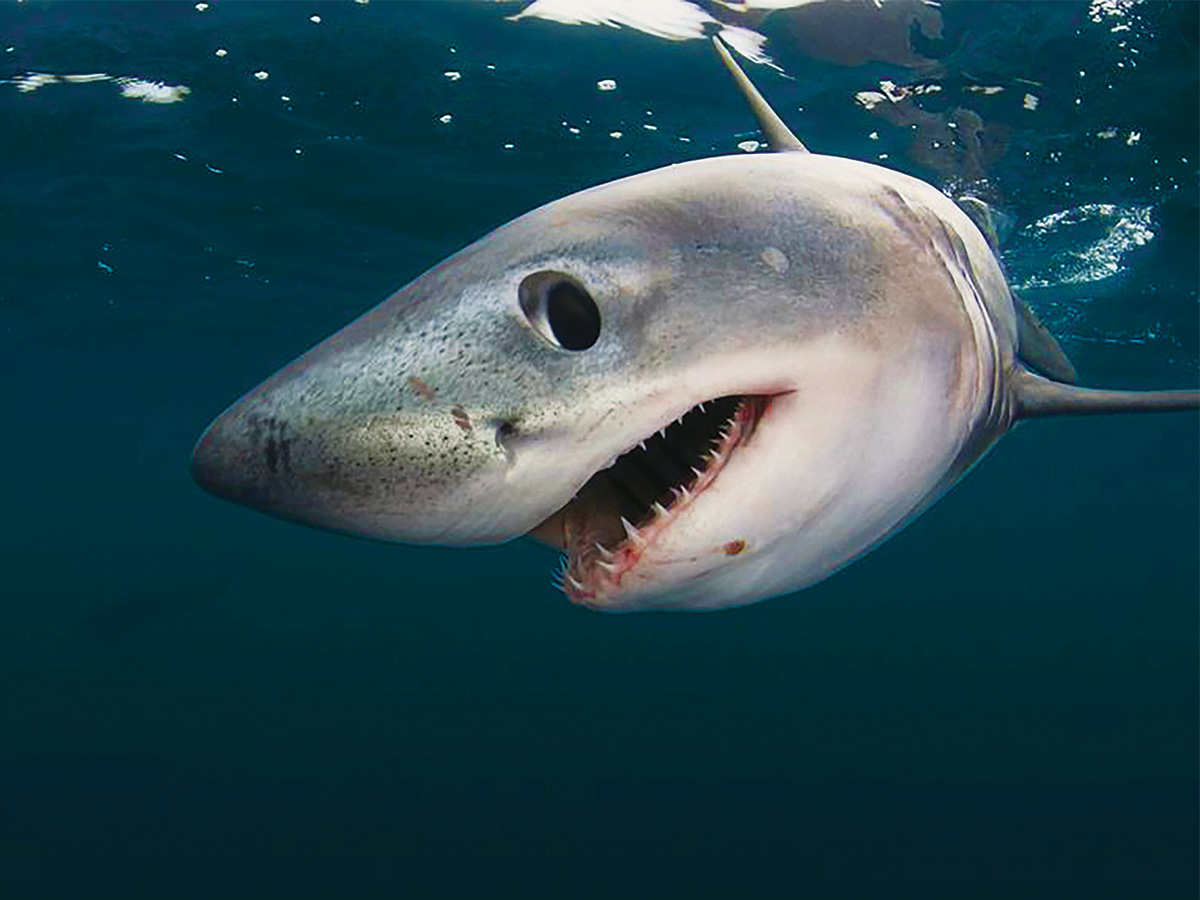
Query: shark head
x: 653, y: 375
x: 707, y: 384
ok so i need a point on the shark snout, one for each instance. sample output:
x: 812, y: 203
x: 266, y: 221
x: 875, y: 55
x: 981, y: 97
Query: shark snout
x: 247, y: 460
x: 210, y: 469
x: 430, y: 472
x: 326, y: 473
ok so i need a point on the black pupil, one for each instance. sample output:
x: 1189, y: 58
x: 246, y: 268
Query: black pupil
x: 572, y: 316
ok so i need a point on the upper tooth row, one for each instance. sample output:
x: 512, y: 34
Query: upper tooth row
x: 662, y: 433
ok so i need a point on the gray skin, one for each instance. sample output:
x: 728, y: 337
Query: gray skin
x: 864, y: 301
x: 361, y: 433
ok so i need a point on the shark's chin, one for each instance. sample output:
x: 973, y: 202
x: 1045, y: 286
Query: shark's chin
x: 626, y: 507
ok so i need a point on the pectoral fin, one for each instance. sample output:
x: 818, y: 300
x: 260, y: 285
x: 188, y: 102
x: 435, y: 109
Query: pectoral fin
x: 1038, y: 348
x: 1038, y: 397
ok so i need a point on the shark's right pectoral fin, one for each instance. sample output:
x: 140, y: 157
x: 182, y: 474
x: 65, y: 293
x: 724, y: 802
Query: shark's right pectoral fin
x: 1038, y: 397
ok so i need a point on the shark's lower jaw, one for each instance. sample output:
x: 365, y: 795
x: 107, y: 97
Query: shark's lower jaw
x: 625, y: 508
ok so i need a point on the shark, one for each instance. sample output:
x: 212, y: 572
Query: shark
x: 708, y: 384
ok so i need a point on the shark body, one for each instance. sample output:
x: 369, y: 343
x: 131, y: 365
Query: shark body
x: 709, y: 384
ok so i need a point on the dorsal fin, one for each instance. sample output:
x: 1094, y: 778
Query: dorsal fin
x: 779, y: 136
x: 1037, y: 397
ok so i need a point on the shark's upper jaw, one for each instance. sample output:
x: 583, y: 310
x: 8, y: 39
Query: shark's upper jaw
x: 624, y: 508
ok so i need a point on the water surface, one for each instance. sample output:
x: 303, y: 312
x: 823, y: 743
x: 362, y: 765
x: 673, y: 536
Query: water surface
x: 198, y: 701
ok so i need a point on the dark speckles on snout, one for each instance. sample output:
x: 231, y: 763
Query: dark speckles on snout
x: 421, y: 389
x: 461, y: 419
x: 733, y: 548
x: 272, y: 435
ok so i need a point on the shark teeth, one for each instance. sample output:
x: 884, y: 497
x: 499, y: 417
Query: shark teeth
x: 632, y: 534
x: 601, y: 553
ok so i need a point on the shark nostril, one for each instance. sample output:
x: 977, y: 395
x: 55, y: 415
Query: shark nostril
x: 505, y: 432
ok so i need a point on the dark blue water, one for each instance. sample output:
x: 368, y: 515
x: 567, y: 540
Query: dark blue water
x: 197, y: 701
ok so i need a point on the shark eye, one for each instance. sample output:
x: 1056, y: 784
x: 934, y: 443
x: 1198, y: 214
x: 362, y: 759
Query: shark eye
x: 560, y: 309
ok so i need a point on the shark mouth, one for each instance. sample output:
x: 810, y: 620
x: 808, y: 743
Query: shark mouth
x: 625, y: 507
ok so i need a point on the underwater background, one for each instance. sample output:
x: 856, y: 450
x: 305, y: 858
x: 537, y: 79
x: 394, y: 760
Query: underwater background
x: 197, y: 701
